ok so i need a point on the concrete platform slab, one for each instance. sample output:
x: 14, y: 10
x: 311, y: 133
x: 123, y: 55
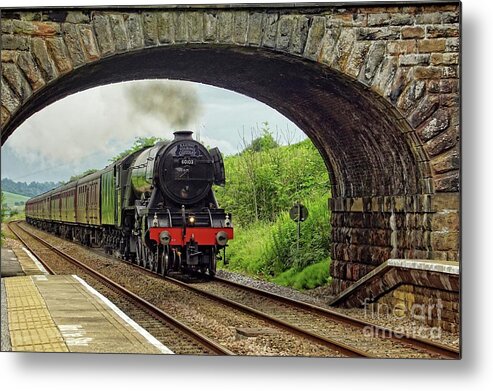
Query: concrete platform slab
x: 65, y: 314
x: 20, y: 262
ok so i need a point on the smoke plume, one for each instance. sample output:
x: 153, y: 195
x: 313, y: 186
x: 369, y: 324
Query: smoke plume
x: 175, y: 103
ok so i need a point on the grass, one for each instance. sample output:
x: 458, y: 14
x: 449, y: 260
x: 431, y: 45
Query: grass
x: 269, y: 250
x: 11, y: 198
x: 310, y: 277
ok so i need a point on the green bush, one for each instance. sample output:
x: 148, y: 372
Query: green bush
x: 308, y: 278
x: 262, y: 185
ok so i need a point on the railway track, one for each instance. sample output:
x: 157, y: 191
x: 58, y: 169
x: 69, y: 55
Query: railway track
x: 346, y: 335
x: 429, y: 346
x: 179, y: 337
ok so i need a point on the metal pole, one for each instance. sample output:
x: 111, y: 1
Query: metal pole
x: 299, y: 222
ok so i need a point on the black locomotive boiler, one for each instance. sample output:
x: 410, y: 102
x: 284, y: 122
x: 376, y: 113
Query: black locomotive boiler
x: 155, y: 208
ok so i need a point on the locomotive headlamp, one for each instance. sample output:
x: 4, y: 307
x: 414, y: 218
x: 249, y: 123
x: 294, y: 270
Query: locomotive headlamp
x: 165, y: 238
x: 222, y: 238
x: 191, y: 220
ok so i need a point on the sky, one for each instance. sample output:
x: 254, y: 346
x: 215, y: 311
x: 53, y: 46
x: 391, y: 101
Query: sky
x: 86, y: 129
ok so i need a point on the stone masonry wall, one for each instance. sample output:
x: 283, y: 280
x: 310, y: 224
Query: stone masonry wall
x: 367, y: 230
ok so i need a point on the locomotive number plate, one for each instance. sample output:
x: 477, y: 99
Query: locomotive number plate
x: 189, y: 162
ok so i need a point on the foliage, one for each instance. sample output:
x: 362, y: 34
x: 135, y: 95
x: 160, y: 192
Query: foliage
x: 261, y: 188
x: 261, y: 185
x: 269, y: 249
x: 140, y: 142
x: 29, y: 190
x: 264, y: 142
x: 308, y: 278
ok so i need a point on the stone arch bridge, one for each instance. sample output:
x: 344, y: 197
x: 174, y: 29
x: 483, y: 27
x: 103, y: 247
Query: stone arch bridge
x: 375, y: 87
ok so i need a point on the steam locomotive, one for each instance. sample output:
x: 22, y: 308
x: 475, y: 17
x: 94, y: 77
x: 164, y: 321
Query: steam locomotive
x: 155, y: 208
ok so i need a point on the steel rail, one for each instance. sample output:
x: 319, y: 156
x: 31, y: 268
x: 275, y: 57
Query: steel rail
x: 149, y: 307
x: 377, y: 330
x: 45, y: 265
x: 329, y: 342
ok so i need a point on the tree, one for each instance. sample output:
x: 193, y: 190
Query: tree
x: 140, y: 143
x: 263, y: 142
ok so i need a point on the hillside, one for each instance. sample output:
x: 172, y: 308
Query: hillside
x: 14, y: 200
x: 27, y: 189
x: 262, y: 185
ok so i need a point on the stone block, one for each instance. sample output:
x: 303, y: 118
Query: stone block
x: 445, y: 201
x: 4, y: 116
x: 287, y: 25
x: 36, y: 29
x: 31, y: 70
x: 195, y: 26
x: 315, y: 35
x: 6, y: 26
x: 343, y: 49
x: 8, y: 98
x: 429, y: 72
x: 255, y: 23
x: 89, y: 44
x: 424, y: 110
x: 444, y: 58
x: 74, y: 43
x: 270, y: 30
x: 448, y: 161
x: 10, y: 55
x: 299, y: 35
x: 442, y: 31
x: 441, y: 143
x: 431, y: 45
x: 385, y: 76
x: 448, y: 221
x: 377, y: 33
x: 166, y: 27
x: 135, y: 31
x: 412, y: 32
x: 59, y: 53
x: 240, y: 27
x: 102, y: 28
x: 447, y: 182
x: 437, y: 123
x: 210, y: 27
x: 364, y: 60
x: 150, y: 28
x: 77, y: 17
x: 452, y: 44
x: 411, y: 95
x: 14, y: 42
x: 225, y: 26
x: 401, y: 47
x: 429, y: 18
x: 16, y: 80
x: 414, y: 59
x: 120, y: 38
x: 40, y: 53
x: 445, y: 241
x: 179, y: 21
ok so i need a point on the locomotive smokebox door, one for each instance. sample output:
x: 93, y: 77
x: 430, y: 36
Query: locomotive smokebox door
x: 218, y: 164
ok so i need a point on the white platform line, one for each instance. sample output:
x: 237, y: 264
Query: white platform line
x: 38, y: 264
x: 152, y: 340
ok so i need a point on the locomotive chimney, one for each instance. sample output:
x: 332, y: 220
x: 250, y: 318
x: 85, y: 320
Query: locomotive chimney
x: 183, y: 135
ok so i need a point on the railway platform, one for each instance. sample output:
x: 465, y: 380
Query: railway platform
x: 62, y: 313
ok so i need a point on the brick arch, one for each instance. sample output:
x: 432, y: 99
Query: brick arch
x: 375, y: 89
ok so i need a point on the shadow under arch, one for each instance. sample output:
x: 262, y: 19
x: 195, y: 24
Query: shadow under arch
x: 366, y: 145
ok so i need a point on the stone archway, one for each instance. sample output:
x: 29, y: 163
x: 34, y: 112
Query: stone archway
x: 375, y: 88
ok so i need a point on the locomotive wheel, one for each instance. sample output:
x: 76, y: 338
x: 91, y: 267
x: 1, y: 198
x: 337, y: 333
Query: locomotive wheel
x: 165, y: 261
